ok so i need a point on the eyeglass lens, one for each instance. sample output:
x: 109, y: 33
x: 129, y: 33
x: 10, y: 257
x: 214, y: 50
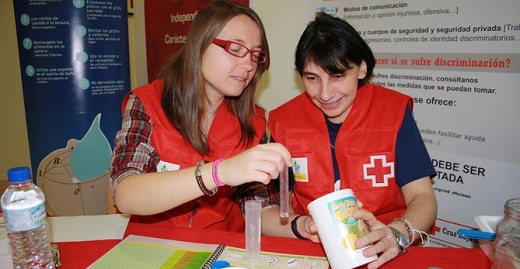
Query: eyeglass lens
x: 240, y: 50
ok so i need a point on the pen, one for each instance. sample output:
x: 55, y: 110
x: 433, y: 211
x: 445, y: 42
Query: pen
x: 479, y: 235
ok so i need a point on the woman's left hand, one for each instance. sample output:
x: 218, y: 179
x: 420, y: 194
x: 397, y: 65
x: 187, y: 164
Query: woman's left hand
x: 382, y: 240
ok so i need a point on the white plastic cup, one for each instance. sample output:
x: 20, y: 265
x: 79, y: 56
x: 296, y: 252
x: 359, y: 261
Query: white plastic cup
x: 338, y: 230
x: 253, y: 210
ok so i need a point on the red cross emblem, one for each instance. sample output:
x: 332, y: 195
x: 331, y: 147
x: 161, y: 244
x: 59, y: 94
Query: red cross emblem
x: 378, y: 170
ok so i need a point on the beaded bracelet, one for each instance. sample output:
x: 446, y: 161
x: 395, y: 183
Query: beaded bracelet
x: 198, y: 176
x: 411, y: 232
x: 407, y: 226
x: 214, y: 173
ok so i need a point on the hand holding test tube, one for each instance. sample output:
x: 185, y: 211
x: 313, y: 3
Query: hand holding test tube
x: 284, y: 193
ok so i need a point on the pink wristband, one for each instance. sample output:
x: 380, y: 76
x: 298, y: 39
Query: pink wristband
x: 214, y: 173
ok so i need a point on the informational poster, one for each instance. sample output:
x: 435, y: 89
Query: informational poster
x: 460, y: 61
x: 75, y: 72
x: 167, y: 24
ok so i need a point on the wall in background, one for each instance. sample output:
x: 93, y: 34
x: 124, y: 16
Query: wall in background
x: 14, y: 145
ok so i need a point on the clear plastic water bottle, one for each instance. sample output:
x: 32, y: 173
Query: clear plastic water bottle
x: 23, y: 206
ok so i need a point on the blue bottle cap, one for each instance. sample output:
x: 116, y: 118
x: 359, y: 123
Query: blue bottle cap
x: 18, y: 174
x: 220, y: 264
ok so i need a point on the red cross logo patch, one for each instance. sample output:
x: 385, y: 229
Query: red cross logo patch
x: 378, y: 170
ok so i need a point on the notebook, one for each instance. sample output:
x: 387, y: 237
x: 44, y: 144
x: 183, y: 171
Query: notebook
x: 148, y: 252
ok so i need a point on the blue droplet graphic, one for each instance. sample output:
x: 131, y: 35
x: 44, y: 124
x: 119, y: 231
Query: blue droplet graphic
x: 91, y: 156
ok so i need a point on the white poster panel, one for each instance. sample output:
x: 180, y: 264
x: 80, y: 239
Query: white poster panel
x: 460, y: 61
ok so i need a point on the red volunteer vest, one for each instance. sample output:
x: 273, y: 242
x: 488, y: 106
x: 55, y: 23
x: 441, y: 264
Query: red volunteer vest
x: 365, y: 149
x: 218, y: 211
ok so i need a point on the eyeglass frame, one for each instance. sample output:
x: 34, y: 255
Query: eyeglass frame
x: 225, y: 44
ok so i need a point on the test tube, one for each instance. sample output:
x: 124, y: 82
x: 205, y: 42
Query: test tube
x: 253, y: 210
x: 284, y: 193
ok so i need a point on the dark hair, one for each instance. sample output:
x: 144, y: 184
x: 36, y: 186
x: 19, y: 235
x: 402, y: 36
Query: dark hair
x: 334, y: 45
x: 184, y: 94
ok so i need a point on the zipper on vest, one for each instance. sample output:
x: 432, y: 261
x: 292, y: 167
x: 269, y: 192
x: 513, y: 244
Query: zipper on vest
x: 194, y: 209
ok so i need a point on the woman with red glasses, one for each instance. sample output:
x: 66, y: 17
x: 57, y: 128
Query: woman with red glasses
x: 190, y: 148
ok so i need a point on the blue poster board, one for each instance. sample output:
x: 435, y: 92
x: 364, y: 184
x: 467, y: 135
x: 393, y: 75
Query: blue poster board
x: 75, y: 72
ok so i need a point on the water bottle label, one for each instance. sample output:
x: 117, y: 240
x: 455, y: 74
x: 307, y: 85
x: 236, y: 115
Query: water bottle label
x: 18, y: 220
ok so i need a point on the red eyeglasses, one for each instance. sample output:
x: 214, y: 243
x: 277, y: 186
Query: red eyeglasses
x: 239, y: 50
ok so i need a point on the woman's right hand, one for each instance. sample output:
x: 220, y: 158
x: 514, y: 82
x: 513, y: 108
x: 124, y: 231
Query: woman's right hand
x: 260, y: 163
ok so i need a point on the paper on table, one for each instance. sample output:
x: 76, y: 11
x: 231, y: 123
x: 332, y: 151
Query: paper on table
x: 147, y: 252
x: 88, y: 228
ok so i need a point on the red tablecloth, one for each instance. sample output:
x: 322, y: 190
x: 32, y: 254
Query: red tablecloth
x: 82, y: 254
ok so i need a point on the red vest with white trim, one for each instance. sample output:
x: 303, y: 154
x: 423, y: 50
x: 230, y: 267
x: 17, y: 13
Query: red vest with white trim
x: 218, y: 211
x: 365, y: 149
